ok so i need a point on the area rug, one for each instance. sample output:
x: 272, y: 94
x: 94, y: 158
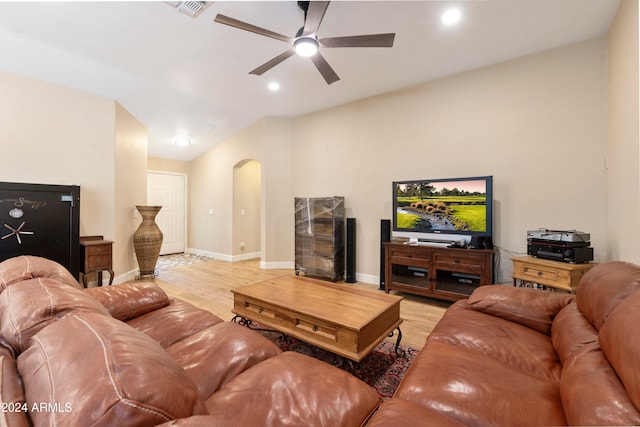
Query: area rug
x: 382, y: 369
x: 175, y: 260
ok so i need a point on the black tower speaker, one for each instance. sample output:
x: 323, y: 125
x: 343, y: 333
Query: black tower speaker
x: 351, y: 251
x: 385, y: 236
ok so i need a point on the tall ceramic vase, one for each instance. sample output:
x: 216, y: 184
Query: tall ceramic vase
x: 147, y: 240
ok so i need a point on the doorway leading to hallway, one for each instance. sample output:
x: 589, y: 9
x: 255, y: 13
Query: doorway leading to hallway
x: 169, y: 190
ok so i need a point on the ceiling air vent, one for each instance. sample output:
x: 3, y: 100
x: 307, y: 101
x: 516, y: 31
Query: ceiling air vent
x: 191, y: 8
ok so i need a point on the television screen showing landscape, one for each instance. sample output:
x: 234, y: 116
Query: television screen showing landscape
x: 441, y: 206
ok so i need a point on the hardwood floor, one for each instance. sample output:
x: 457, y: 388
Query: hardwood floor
x: 208, y: 285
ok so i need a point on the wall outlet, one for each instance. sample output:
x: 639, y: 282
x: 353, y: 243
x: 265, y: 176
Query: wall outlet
x: 242, y: 245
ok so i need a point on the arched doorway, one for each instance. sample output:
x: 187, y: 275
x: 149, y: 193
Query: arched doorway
x: 246, y: 210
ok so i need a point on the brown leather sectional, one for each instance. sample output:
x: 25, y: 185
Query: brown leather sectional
x: 128, y: 355
x: 524, y: 357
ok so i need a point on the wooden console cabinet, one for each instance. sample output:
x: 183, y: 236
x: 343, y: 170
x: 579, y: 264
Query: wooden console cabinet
x: 438, y: 272
x: 554, y: 274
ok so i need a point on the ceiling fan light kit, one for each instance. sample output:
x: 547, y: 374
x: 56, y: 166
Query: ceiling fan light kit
x: 306, y: 46
x: 305, y: 43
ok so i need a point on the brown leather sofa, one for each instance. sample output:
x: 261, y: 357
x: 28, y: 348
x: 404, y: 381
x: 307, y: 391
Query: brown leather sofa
x: 127, y: 355
x: 524, y: 357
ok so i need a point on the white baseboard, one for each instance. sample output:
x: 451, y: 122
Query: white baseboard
x: 368, y: 278
x: 214, y: 255
x: 360, y: 277
x: 126, y: 277
x: 117, y: 280
x: 277, y: 265
x: 244, y: 257
x: 224, y: 257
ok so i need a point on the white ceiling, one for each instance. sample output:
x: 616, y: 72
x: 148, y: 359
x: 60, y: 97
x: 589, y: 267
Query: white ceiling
x: 189, y: 76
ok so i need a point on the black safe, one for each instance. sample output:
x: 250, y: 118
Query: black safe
x: 41, y: 220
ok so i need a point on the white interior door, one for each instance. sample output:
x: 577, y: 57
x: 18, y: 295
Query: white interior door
x: 169, y: 191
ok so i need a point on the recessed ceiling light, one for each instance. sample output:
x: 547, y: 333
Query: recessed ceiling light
x: 182, y: 141
x: 451, y: 16
x: 274, y: 86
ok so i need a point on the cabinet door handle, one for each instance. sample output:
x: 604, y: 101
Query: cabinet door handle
x: 315, y: 328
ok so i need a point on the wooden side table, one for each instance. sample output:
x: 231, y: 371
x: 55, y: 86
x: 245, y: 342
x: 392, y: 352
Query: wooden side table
x: 555, y: 274
x: 96, y: 255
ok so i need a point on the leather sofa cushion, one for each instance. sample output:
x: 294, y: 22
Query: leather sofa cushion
x: 572, y: 334
x: 292, y: 389
x: 507, y: 342
x: 119, y: 376
x: 29, y: 306
x: 130, y: 300
x: 174, y: 322
x: 27, y: 267
x: 591, y: 392
x: 213, y: 356
x: 620, y: 341
x: 401, y: 412
x: 479, y: 390
x: 13, y: 411
x: 603, y: 287
x: 528, y: 307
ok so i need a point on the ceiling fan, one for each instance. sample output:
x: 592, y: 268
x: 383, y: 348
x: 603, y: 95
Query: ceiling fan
x: 306, y: 42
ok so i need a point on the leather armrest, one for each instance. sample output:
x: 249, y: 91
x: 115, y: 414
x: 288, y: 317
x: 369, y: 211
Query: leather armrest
x: 130, y: 300
x: 533, y: 308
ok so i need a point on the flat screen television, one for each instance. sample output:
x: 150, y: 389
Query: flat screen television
x: 443, y: 210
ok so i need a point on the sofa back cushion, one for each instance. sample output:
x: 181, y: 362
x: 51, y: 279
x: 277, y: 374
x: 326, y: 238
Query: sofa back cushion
x: 620, y: 342
x: 130, y: 300
x: 591, y: 391
x: 102, y: 372
x: 603, y: 287
x: 528, y: 307
x: 29, y: 306
x: 14, y: 410
x: 27, y: 267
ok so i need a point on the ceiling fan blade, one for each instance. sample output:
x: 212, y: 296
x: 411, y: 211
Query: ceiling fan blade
x: 272, y: 63
x: 314, y: 16
x: 222, y: 19
x: 370, y: 40
x: 325, y: 69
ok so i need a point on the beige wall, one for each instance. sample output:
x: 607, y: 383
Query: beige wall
x: 211, y: 189
x: 56, y: 135
x: 268, y: 142
x: 623, y: 154
x: 53, y: 135
x: 168, y: 165
x: 537, y: 124
x: 246, y: 210
x: 130, y: 187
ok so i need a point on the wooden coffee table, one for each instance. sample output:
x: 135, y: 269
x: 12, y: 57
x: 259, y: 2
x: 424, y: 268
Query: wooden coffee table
x: 340, y: 318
